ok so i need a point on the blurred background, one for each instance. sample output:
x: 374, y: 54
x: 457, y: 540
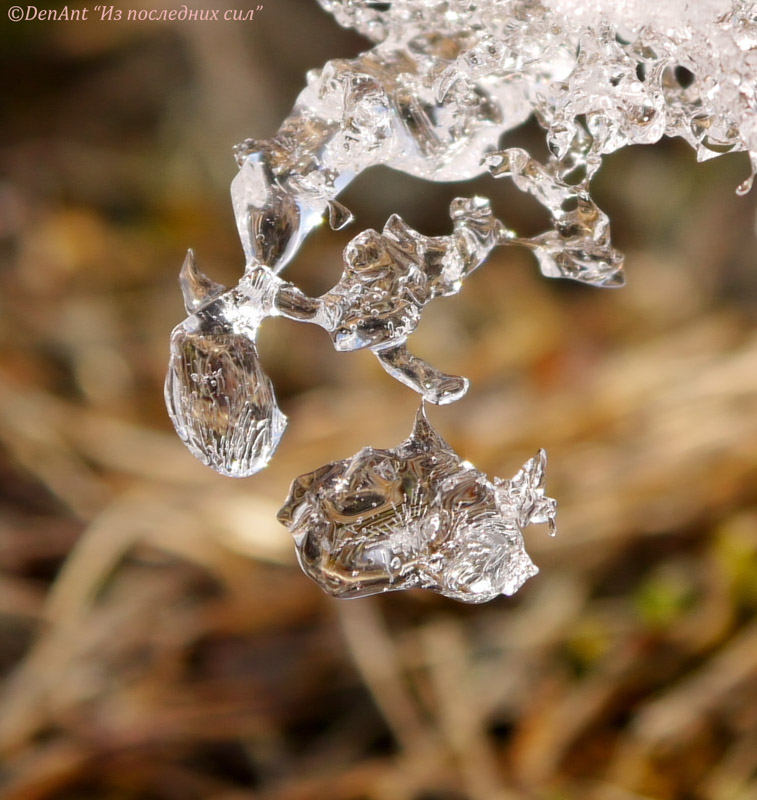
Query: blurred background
x: 158, y: 641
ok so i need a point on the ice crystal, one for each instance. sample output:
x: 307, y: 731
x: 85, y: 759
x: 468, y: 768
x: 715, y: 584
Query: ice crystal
x: 444, y: 83
x: 416, y: 516
x: 388, y: 278
x: 219, y: 399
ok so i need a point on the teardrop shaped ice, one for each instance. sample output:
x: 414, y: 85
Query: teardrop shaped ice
x: 220, y: 400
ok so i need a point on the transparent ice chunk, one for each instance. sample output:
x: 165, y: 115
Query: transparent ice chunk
x: 579, y: 246
x: 416, y: 516
x: 435, y: 386
x: 220, y: 400
x: 436, y: 97
x: 272, y: 220
x: 196, y: 287
x: 388, y: 279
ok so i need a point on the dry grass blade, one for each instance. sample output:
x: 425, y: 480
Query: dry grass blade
x: 157, y: 640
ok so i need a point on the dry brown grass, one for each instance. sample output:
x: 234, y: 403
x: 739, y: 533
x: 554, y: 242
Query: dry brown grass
x: 157, y: 640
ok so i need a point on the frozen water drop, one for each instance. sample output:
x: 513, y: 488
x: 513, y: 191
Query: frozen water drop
x: 221, y: 402
x: 219, y: 398
x: 434, y: 98
x: 339, y: 215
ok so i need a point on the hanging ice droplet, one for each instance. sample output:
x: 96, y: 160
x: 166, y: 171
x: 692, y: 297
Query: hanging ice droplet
x: 220, y: 400
x: 416, y: 516
x: 436, y: 98
x: 339, y: 215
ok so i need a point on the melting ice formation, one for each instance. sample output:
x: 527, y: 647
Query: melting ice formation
x: 416, y: 516
x: 434, y: 96
x: 219, y: 398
